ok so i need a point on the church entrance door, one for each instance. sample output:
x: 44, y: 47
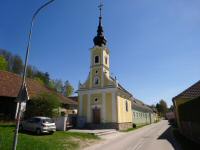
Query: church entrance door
x: 96, y: 115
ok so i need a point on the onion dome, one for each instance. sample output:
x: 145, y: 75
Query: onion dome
x: 99, y: 39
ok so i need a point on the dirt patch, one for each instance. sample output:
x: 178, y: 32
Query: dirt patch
x: 79, y: 143
x: 84, y: 142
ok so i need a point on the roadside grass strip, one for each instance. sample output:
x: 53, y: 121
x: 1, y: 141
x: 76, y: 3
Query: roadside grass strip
x: 132, y: 129
x: 60, y: 140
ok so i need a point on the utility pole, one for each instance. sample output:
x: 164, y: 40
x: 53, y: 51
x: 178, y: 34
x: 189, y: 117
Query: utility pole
x: 23, y: 95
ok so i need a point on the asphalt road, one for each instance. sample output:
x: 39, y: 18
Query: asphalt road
x: 152, y: 137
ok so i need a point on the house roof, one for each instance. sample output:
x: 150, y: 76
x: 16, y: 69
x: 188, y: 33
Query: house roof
x: 121, y: 87
x: 191, y: 92
x: 74, y: 98
x: 140, y: 106
x: 10, y: 84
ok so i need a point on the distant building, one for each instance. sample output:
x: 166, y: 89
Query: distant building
x: 10, y: 84
x: 142, y: 113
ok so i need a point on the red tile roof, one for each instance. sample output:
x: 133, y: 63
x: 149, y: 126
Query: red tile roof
x: 10, y: 84
x: 74, y: 98
x: 191, y: 92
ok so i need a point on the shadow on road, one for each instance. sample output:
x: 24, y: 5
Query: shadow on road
x: 168, y: 135
x: 185, y: 143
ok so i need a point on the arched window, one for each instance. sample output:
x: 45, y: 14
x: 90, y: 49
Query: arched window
x: 96, y: 59
x: 126, y: 106
x: 96, y: 80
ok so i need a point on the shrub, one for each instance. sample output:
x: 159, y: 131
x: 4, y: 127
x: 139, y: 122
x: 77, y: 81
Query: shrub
x: 3, y: 63
x: 42, y: 105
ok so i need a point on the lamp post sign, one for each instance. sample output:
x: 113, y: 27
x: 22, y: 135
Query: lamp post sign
x: 21, y: 100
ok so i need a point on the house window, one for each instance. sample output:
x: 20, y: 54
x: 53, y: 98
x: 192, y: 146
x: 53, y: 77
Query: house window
x: 96, y: 59
x: 96, y: 80
x: 126, y: 106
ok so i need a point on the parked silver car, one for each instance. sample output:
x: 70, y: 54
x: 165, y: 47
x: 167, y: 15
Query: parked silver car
x: 38, y: 125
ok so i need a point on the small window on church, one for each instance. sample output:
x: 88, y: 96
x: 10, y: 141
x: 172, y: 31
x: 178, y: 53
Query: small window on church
x: 96, y: 80
x: 126, y: 106
x: 96, y: 59
x: 96, y: 100
x: 106, y: 60
x: 96, y: 71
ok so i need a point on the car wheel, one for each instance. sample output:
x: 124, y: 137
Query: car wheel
x: 51, y: 132
x: 38, y: 131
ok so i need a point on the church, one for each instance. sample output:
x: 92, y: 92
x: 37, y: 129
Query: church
x: 103, y: 102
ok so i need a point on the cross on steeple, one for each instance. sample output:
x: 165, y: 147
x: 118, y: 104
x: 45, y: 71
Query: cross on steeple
x: 100, y: 39
x: 100, y: 7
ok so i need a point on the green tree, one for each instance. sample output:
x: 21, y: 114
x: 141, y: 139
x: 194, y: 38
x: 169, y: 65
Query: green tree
x: 162, y: 107
x: 44, y: 104
x: 51, y: 85
x: 58, y: 85
x: 43, y: 76
x: 30, y: 73
x: 68, y: 91
x: 39, y: 80
x: 171, y: 108
x: 17, y: 66
x: 9, y: 58
x: 3, y: 64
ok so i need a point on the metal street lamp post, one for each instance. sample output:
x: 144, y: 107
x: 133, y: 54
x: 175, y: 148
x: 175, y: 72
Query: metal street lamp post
x: 23, y: 91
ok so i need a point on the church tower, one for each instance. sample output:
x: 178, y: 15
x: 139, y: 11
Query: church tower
x: 100, y: 66
x: 100, y: 97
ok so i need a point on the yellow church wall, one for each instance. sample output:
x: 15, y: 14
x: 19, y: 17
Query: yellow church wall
x: 107, y: 81
x: 108, y: 107
x: 87, y: 83
x: 123, y: 115
x: 84, y: 104
x: 178, y: 102
x: 94, y: 96
x: 105, y: 54
x: 79, y: 106
x: 99, y: 74
x: 96, y: 52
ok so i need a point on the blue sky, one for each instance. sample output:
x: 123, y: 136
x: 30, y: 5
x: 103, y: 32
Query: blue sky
x: 154, y: 45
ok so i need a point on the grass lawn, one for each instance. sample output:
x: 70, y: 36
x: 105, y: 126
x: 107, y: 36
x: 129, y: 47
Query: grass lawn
x: 185, y: 143
x: 60, y: 140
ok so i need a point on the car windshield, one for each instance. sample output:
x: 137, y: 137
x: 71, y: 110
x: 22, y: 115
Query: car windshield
x: 47, y: 120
